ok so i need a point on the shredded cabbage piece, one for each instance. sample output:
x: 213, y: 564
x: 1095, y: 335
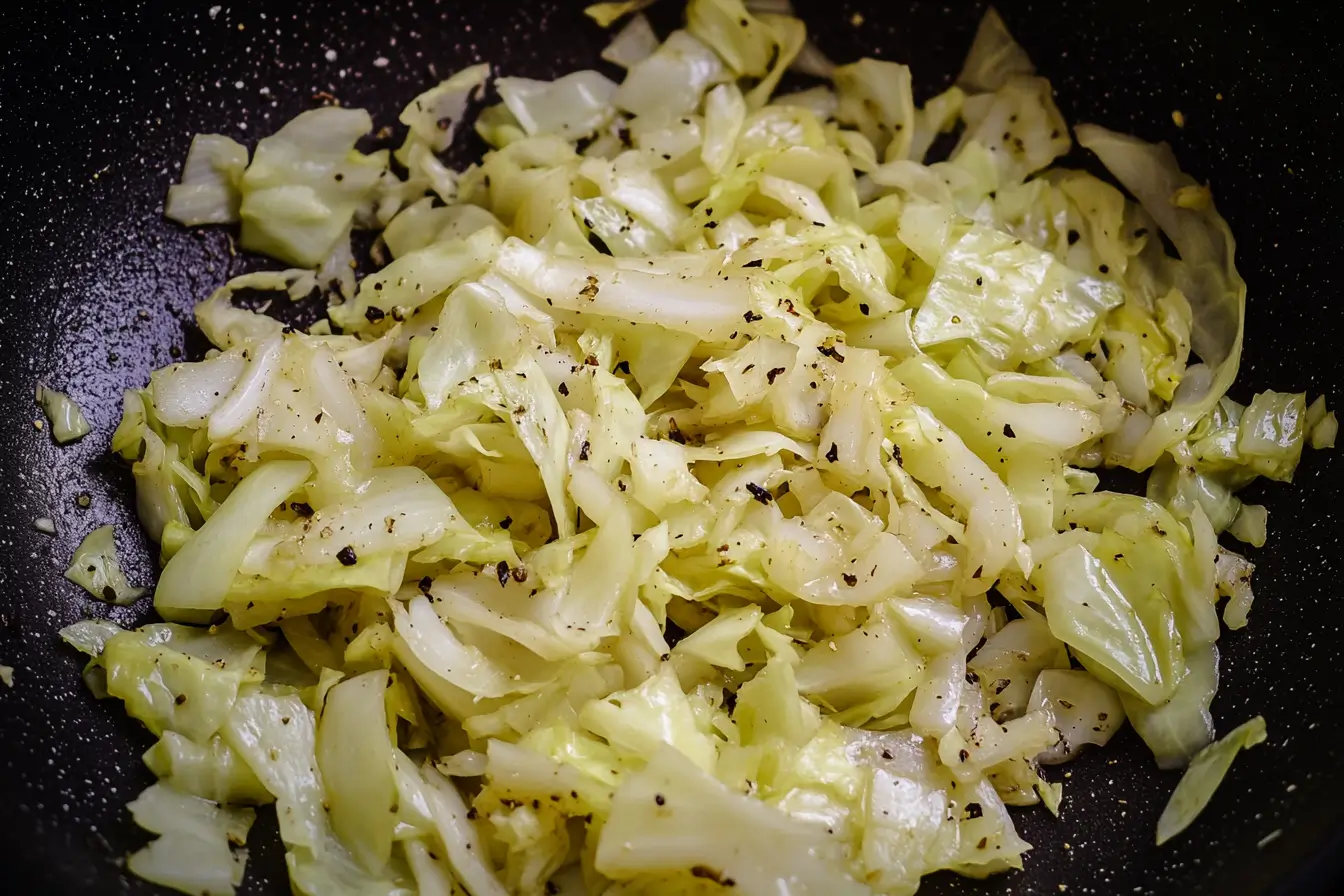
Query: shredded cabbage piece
x: 699, y: 492
x: 65, y: 416
x: 209, y: 192
x: 1202, y: 778
x: 196, y: 851
x: 95, y: 568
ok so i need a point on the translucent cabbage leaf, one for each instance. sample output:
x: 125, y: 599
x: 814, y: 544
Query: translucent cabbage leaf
x: 193, y: 585
x: 65, y: 416
x: 195, y: 851
x: 211, y: 176
x: 1010, y: 299
x: 672, y: 817
x: 212, y: 770
x: 1130, y: 639
x: 95, y: 568
x: 178, y: 678
x: 1207, y: 277
x: 305, y: 183
x: 1202, y: 778
x: 994, y: 57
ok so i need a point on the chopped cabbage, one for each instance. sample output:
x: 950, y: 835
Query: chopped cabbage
x: 209, y: 192
x: 66, y: 419
x: 305, y: 183
x: 95, y: 568
x: 1202, y: 778
x: 644, y: 522
x: 196, y: 852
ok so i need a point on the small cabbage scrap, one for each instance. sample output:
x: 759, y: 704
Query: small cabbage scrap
x: 209, y: 191
x: 65, y: 416
x: 197, y: 850
x: 95, y: 568
x: 1202, y: 778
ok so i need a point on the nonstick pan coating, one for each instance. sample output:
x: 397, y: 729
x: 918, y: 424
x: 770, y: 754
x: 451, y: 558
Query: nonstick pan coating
x: 98, y: 102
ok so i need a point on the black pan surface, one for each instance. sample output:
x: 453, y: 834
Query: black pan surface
x: 98, y: 102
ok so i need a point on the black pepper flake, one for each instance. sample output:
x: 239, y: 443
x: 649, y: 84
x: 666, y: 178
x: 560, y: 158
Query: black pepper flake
x: 471, y: 814
x: 425, y: 584
x: 563, y: 390
x: 180, y: 699
x: 1008, y: 431
x: 850, y: 579
x: 583, y: 450
x: 519, y: 574
x: 709, y: 874
x: 772, y: 373
x: 896, y: 454
x: 963, y: 755
x: 979, y: 281
x: 1074, y: 236
x: 506, y: 523
x: 973, y: 810
x: 660, y: 799
x: 830, y: 352
x: 863, y: 308
x: 760, y: 494
x: 601, y: 246
x: 751, y: 317
x: 834, y: 454
x: 502, y: 572
x: 347, y: 556
x: 373, y: 314
x: 589, y: 291
x: 674, y: 432
x: 1105, y: 268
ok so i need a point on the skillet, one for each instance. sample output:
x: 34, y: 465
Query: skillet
x: 99, y: 101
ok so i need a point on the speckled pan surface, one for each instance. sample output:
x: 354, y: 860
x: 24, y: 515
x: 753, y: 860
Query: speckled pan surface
x: 98, y: 102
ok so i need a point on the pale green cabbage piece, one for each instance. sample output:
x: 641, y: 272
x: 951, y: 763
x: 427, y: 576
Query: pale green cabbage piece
x: 673, y: 817
x: 212, y: 770
x: 305, y: 183
x: 635, y: 524
x: 353, y: 746
x: 95, y: 568
x: 196, y: 850
x: 66, y: 417
x: 209, y: 190
x: 1013, y: 301
x: 1202, y: 778
x: 178, y: 678
x: 1183, y: 725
